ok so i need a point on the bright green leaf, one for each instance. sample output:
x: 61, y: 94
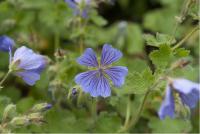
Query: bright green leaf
x: 169, y: 125
x: 138, y: 83
x: 182, y: 52
x: 107, y: 123
x: 161, y: 57
x: 159, y: 39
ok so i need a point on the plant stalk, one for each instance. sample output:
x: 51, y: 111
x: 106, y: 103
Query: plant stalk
x: 4, y: 78
x: 186, y: 38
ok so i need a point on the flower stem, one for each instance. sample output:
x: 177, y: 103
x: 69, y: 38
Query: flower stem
x: 128, y: 110
x: 186, y: 37
x: 134, y: 120
x: 56, y: 41
x: 79, y: 98
x: 4, y: 78
x: 81, y: 38
x: 183, y: 13
x: 81, y: 44
x: 94, y: 108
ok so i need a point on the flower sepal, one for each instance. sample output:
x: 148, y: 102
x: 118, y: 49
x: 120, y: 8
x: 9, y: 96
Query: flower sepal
x: 181, y: 110
x: 14, y: 66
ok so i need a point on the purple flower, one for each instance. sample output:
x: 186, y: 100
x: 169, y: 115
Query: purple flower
x: 27, y: 65
x: 76, y: 5
x: 96, y: 81
x: 48, y: 106
x: 188, y: 92
x: 6, y: 43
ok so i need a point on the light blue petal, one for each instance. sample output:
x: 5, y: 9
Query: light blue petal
x: 117, y: 74
x: 93, y: 83
x: 84, y: 79
x: 191, y: 99
x: 167, y: 106
x: 109, y: 55
x: 71, y: 3
x: 185, y: 86
x: 188, y: 91
x: 28, y: 59
x: 88, y: 58
x: 29, y: 77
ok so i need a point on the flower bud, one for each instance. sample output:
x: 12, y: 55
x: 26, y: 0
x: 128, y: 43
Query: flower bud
x: 42, y: 107
x: 74, y: 91
x: 9, y: 112
x: 36, y: 118
x: 20, y: 121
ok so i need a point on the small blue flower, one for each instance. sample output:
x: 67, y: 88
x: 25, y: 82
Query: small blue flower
x: 76, y: 6
x: 6, y: 43
x: 27, y: 64
x: 188, y: 92
x: 96, y: 81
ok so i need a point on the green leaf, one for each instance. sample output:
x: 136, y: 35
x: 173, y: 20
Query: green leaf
x: 4, y: 101
x: 169, y: 125
x: 107, y: 123
x: 134, y: 40
x: 12, y: 92
x: 9, y: 112
x: 137, y: 83
x: 161, y: 57
x: 182, y: 52
x: 98, y: 20
x: 159, y: 39
x: 24, y: 104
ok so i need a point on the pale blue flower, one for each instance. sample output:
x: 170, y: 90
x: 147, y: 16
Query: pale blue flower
x: 27, y: 64
x: 188, y: 92
x: 96, y: 81
x: 75, y: 5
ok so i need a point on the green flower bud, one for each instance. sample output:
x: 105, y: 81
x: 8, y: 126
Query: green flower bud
x: 20, y: 121
x: 9, y: 112
x: 35, y: 118
x: 42, y: 107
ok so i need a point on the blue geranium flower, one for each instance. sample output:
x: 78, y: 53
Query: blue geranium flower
x: 188, y: 92
x: 96, y: 81
x: 76, y: 5
x: 27, y: 64
x: 6, y: 43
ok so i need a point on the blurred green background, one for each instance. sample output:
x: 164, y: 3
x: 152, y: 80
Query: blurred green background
x: 49, y: 27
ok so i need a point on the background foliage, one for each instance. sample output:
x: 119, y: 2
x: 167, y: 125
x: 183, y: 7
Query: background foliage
x: 142, y: 29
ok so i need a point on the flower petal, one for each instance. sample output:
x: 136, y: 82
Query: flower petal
x: 94, y: 83
x: 188, y: 90
x: 117, y: 74
x: 185, y: 86
x: 167, y: 106
x: 191, y: 99
x: 71, y: 3
x: 29, y: 77
x: 88, y: 58
x: 28, y: 59
x: 109, y: 55
x: 6, y: 43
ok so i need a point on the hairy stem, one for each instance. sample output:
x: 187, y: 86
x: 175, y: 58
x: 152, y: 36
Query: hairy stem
x: 186, y: 37
x: 94, y: 108
x: 184, y: 10
x: 132, y: 122
x: 134, y: 119
x: 4, y: 78
x: 56, y: 41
